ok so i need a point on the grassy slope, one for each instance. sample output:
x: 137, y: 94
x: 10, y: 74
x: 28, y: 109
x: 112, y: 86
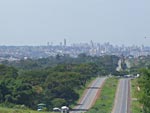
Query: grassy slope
x: 135, y: 104
x: 8, y: 110
x: 105, y: 103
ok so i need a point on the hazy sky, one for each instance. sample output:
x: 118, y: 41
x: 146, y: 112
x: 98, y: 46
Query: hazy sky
x: 36, y: 22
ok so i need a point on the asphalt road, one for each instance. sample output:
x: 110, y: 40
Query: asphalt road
x: 89, y: 97
x: 122, y: 97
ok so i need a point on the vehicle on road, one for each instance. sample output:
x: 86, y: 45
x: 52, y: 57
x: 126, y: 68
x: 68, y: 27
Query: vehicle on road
x: 64, y: 109
x: 41, y: 107
x: 56, y: 109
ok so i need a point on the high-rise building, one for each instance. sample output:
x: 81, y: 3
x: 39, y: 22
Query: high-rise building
x: 65, y: 42
x: 47, y: 43
x: 92, y: 44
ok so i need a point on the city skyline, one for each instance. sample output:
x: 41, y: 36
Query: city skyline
x: 37, y: 22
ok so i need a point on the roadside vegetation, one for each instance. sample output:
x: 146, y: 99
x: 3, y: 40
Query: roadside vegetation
x: 144, y: 94
x: 140, y: 86
x: 107, y: 96
x: 135, y: 103
x: 54, y: 81
x: 8, y: 110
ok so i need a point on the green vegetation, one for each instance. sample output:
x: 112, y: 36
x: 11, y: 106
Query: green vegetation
x: 54, y: 81
x: 135, y: 104
x: 8, y: 110
x: 138, y: 63
x: 105, y: 103
x: 144, y: 85
x: 141, y: 65
x: 54, y: 87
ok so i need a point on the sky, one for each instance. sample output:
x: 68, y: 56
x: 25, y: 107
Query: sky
x: 36, y: 22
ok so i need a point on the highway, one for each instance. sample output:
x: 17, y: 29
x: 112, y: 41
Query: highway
x: 122, y: 97
x: 89, y: 97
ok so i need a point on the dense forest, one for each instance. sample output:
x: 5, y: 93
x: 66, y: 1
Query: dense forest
x: 53, y: 81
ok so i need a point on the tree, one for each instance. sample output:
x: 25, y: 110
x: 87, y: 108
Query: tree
x: 58, y: 102
x: 144, y: 83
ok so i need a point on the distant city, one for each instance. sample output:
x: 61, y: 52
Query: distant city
x: 12, y: 53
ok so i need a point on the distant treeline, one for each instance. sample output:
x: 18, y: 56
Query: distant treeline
x: 53, y: 81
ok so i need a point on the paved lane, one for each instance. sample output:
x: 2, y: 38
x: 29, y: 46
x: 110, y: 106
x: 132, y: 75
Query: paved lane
x: 89, y: 97
x: 122, y: 97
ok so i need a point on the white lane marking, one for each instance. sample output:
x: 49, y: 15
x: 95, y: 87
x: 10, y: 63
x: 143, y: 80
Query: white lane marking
x: 127, y: 95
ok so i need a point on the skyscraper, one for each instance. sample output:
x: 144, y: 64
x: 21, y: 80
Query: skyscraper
x: 65, y: 42
x: 47, y: 43
x: 92, y: 44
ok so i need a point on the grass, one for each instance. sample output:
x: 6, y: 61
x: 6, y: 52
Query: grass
x: 105, y: 103
x: 8, y: 110
x: 135, y: 104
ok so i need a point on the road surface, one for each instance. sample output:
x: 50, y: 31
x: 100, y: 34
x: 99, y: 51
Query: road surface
x: 122, y: 97
x: 89, y: 97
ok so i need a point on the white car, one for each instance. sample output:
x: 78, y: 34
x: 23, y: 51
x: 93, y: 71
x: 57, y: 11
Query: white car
x: 65, y: 109
x: 39, y: 109
x: 56, y: 109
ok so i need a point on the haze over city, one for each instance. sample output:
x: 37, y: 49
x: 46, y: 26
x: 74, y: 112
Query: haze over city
x: 36, y: 22
x: 75, y: 56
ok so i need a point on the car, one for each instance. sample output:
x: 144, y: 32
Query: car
x: 55, y: 109
x: 127, y: 76
x: 65, y: 109
x: 41, y: 107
